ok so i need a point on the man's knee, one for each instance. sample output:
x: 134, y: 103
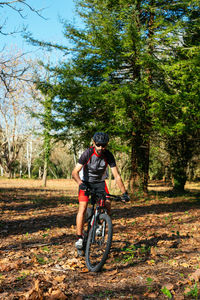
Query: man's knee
x: 108, y: 203
x: 82, y: 207
x: 108, y: 206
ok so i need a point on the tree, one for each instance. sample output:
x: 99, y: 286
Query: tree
x: 101, y: 71
x: 14, y: 96
x: 177, y: 112
x: 20, y: 7
x: 47, y: 103
x: 119, y: 63
x: 44, y: 116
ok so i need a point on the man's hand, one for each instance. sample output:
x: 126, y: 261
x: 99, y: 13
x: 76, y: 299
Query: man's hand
x: 125, y: 197
x: 82, y: 186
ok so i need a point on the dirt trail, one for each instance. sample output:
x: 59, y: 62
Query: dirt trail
x: 155, y: 252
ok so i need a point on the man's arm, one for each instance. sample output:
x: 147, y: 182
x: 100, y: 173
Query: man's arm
x: 118, y: 179
x: 75, y: 173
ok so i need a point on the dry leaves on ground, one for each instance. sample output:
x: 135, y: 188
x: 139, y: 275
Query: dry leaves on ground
x: 155, y: 250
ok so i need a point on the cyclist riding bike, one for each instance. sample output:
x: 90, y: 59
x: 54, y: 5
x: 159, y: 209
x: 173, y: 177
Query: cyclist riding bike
x: 91, y: 172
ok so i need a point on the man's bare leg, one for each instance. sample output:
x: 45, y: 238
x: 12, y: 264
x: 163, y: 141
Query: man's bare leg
x: 80, y: 217
x: 108, y: 206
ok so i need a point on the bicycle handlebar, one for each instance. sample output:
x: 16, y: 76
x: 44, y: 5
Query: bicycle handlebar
x: 117, y: 198
x: 93, y: 193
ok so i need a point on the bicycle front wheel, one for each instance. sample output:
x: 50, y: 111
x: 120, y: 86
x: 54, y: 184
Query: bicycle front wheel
x: 98, y: 245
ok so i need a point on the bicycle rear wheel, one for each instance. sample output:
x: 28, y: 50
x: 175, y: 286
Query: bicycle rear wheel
x: 98, y: 246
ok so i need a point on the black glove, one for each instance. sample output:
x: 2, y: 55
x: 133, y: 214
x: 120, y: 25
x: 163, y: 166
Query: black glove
x: 83, y: 186
x: 125, y: 197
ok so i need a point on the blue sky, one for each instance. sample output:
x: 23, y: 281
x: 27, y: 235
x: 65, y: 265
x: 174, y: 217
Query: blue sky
x: 49, y: 30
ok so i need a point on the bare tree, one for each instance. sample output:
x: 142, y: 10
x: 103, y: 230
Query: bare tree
x: 20, y: 7
x: 11, y: 70
x: 15, y: 124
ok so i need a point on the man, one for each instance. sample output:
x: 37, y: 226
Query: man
x: 90, y: 172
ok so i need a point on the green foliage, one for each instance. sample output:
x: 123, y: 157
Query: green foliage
x: 41, y: 260
x: 134, y: 252
x: 177, y: 112
x: 134, y: 71
x: 193, y: 291
x: 22, y: 276
x: 159, y: 160
x: 166, y: 292
x: 149, y: 283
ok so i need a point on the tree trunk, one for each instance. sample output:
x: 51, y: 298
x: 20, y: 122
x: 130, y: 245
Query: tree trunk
x: 44, y: 178
x: 134, y: 178
x: 146, y: 168
x: 29, y: 157
x: 179, y: 174
x: 191, y: 172
x: 40, y: 173
x: 179, y: 179
x: 180, y: 154
x: 20, y: 168
x: 139, y: 165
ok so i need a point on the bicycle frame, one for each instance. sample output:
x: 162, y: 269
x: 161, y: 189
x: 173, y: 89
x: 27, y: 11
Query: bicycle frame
x: 97, y: 246
x: 99, y: 202
x: 98, y: 206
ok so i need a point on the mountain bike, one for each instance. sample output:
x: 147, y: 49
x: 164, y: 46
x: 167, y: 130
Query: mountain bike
x: 98, y: 236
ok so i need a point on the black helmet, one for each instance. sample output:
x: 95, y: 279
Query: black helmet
x: 101, y: 138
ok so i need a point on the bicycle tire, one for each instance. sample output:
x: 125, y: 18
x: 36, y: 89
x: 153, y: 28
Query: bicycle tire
x: 97, y: 252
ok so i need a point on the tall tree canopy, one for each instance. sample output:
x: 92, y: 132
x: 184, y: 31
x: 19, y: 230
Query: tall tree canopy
x: 122, y: 78
x: 177, y: 111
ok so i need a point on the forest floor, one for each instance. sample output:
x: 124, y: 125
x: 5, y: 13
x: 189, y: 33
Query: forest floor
x: 155, y: 252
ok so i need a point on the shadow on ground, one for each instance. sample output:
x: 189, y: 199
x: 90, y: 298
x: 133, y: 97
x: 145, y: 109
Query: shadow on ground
x: 183, y: 204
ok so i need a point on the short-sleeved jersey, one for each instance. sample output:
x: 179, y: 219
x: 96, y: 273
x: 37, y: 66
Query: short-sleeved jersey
x: 94, y: 165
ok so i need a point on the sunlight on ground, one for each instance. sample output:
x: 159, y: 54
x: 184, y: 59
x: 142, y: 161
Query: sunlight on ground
x: 71, y: 187
x: 157, y: 240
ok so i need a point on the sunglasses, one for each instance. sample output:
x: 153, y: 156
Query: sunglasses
x: 101, y: 145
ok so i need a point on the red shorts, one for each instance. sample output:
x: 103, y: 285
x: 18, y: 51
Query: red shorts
x: 97, y: 187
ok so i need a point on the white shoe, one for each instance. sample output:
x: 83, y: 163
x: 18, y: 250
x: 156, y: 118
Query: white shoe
x: 99, y: 230
x: 79, y: 244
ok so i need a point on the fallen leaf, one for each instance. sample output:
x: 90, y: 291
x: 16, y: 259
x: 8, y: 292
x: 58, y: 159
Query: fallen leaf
x: 153, y: 252
x: 185, y: 265
x: 57, y: 294
x: 152, y: 295
x: 9, y: 266
x: 151, y: 262
x: 84, y: 270
x: 113, y: 272
x: 195, y: 276
x: 168, y: 286
x: 79, y: 297
x: 34, y: 294
x: 60, y: 278
x: 187, y: 290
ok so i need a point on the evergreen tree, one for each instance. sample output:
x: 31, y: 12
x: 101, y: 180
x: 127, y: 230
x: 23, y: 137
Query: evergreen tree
x: 119, y: 64
x: 178, y: 109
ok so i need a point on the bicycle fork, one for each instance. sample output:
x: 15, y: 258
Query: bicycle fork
x: 93, y: 225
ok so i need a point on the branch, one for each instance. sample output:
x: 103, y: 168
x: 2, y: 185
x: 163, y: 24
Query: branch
x: 15, y: 6
x: 11, y: 4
